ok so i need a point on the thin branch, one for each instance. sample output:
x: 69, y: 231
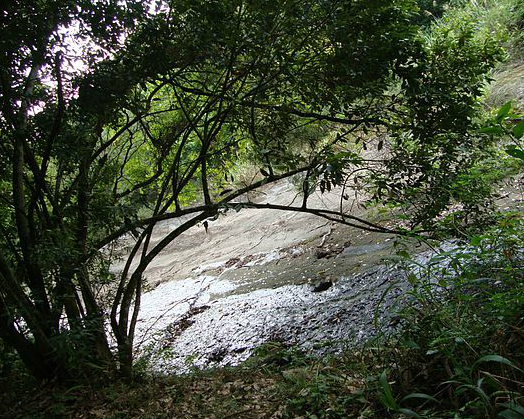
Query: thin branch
x: 123, y: 129
x: 327, y: 214
x: 284, y: 108
x: 187, y: 211
x: 58, y: 118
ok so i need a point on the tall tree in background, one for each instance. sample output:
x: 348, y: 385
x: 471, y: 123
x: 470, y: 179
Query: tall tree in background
x: 157, y: 117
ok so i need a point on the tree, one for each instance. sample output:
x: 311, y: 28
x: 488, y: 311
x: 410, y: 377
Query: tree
x: 157, y: 119
x: 43, y: 226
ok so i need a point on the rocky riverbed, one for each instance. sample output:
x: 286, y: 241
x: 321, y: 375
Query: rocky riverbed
x: 261, y: 275
x: 214, y: 320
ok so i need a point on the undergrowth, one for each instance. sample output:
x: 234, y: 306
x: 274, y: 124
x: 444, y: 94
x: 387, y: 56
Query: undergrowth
x: 459, y: 355
x: 461, y: 350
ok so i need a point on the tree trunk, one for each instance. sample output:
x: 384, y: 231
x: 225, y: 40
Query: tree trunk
x: 125, y: 358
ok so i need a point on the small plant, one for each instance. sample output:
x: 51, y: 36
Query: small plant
x: 484, y: 390
x: 390, y: 402
x: 510, y: 126
x: 276, y: 355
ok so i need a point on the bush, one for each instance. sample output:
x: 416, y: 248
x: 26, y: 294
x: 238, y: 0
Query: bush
x: 459, y: 354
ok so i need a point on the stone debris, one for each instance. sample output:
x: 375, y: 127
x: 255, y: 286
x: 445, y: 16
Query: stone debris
x: 227, y: 330
x: 322, y: 286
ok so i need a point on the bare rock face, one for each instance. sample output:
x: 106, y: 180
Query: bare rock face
x: 260, y: 276
x: 225, y: 330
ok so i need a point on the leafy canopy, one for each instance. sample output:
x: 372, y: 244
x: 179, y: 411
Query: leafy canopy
x: 162, y: 108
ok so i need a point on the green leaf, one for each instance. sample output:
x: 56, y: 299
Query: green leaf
x: 496, y: 358
x: 387, y: 396
x: 419, y: 396
x: 411, y: 345
x: 481, y: 393
x: 403, y: 253
x: 409, y: 412
x: 503, y: 112
x: 518, y: 130
x: 514, y: 406
x: 342, y: 155
x: 513, y: 151
x: 492, y: 130
x: 475, y: 241
x: 513, y: 411
x: 510, y: 414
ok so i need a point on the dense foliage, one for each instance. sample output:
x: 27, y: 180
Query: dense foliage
x: 145, y: 123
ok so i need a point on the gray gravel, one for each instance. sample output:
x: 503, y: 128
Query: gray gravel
x: 225, y: 331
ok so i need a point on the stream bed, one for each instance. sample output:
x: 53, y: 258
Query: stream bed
x: 211, y: 320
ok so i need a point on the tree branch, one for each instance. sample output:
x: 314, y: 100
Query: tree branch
x: 327, y: 214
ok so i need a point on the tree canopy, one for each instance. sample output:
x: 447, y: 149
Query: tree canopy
x: 118, y: 115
